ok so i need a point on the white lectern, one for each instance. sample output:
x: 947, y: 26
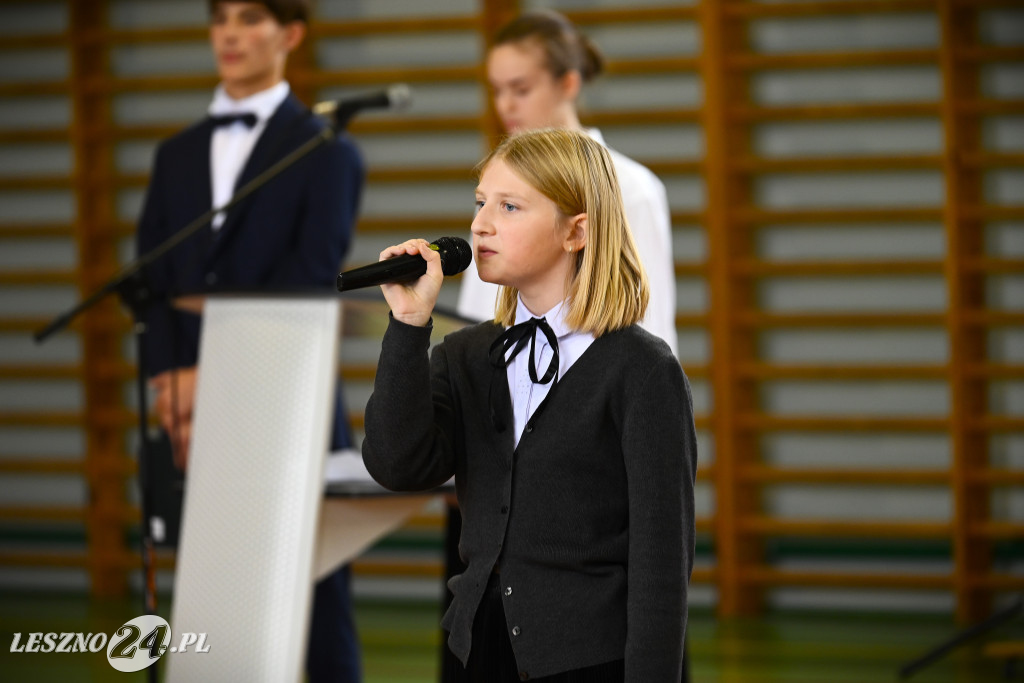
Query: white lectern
x: 245, y: 560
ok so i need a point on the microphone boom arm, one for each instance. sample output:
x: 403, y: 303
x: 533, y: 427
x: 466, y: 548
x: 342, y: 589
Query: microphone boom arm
x: 135, y: 267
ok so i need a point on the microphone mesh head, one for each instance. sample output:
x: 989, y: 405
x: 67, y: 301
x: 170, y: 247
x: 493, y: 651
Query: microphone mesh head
x: 456, y: 254
x: 399, y: 96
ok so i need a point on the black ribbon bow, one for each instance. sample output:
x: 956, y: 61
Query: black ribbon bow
x: 517, y: 336
x: 248, y: 118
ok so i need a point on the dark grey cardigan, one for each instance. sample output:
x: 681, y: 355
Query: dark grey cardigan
x: 591, y: 517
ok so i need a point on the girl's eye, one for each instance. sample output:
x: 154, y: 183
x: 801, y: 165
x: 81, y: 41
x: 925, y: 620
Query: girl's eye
x: 509, y: 207
x: 477, y: 206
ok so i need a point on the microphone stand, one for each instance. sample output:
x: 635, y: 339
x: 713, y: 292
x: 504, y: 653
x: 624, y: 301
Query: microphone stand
x: 136, y: 296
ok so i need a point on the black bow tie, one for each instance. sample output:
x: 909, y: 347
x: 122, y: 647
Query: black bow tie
x: 248, y: 118
x: 517, y: 336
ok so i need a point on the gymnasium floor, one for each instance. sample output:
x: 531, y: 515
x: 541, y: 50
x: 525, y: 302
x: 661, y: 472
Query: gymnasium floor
x: 400, y: 644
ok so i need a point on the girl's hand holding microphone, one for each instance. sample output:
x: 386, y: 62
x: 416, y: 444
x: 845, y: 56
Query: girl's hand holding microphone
x: 413, y: 302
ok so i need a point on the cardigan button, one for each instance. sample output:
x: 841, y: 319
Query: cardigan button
x: 529, y: 428
x: 516, y: 631
x: 523, y: 676
x: 508, y: 590
x: 504, y: 509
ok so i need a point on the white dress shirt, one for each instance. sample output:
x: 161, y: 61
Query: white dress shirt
x: 526, y: 395
x: 647, y: 211
x: 231, y: 145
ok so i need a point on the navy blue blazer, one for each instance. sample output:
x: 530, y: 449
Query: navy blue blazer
x: 292, y: 234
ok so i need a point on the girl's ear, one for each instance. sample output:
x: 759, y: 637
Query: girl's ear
x: 571, y: 84
x: 576, y: 237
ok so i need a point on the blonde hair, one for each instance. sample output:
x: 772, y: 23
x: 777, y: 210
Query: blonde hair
x: 607, y: 288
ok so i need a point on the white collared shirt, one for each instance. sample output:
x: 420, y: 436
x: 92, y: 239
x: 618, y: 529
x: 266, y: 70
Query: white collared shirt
x: 526, y: 395
x: 647, y: 211
x: 231, y: 145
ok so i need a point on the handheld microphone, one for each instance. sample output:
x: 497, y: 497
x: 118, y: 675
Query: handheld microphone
x: 396, y: 97
x: 455, y: 257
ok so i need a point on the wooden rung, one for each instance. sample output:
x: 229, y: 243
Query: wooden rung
x: 703, y: 575
x: 25, y: 324
x: 34, y: 89
x: 691, y: 320
x: 1004, y: 649
x: 144, y: 36
x: 895, y: 320
x: 838, y: 164
x: 999, y: 530
x: 110, y: 418
x: 423, y: 174
x: 993, y: 213
x: 996, y: 371
x: 361, y: 27
x: 639, y: 14
x: 983, y: 54
x: 365, y: 77
x: 35, y: 230
x: 34, y: 136
x: 997, y: 582
x: 642, y: 117
x: 72, y: 559
x: 998, y: 266
x: 40, y: 513
x: 837, y: 579
x: 875, y: 476
x: 832, y: 60
x: 664, y: 168
x: 752, y: 10
x: 695, y: 371
x: 111, y: 370
x: 816, y: 423
x: 362, y: 372
x: 758, y: 216
x: 993, y: 318
x: 27, y: 465
x: 14, y: 278
x: 845, y: 529
x: 809, y: 112
x: 30, y: 183
x: 34, y: 41
x: 392, y: 568
x: 759, y: 268
x: 985, y: 4
x: 38, y: 419
x: 824, y: 372
x: 992, y: 160
x: 997, y: 476
x: 22, y: 371
x: 652, y: 65
x: 690, y: 269
x: 691, y: 217
x: 414, y: 225
x: 990, y: 107
x: 115, y: 323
